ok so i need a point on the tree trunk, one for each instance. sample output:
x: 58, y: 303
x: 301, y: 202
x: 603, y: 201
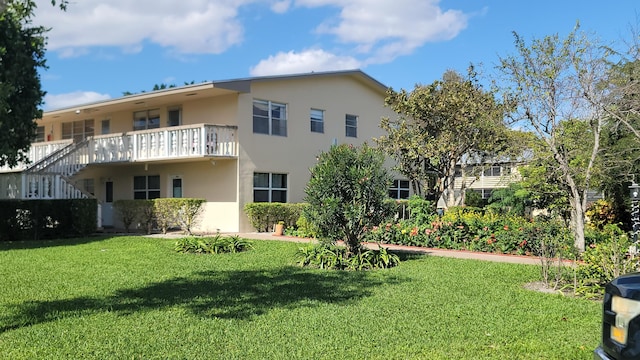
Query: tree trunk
x: 577, y: 216
x: 450, y: 198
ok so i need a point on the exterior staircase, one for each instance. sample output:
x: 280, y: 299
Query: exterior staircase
x: 49, y: 178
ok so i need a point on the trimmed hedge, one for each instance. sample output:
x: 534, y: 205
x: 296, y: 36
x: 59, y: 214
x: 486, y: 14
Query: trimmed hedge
x: 263, y: 216
x: 164, y: 213
x: 47, y: 219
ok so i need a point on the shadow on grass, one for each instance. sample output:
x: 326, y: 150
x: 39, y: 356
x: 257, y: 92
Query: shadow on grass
x: 226, y: 294
x: 47, y: 243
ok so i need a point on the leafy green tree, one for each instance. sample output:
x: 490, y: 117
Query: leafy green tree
x: 22, y: 53
x: 512, y: 200
x: 556, y: 86
x: 347, y: 193
x: 621, y: 162
x: 437, y: 126
x: 621, y: 138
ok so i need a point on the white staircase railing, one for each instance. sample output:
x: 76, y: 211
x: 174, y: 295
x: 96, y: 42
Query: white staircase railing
x: 49, y: 178
x: 37, y: 152
x: 66, y: 161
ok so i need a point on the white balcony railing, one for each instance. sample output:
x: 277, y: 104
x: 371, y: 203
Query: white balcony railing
x: 165, y: 143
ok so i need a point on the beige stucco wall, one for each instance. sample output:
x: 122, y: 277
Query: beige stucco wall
x: 219, y: 110
x: 215, y: 182
x: 296, y: 153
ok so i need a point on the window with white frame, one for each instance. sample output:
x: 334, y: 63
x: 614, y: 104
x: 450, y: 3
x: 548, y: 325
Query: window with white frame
x: 269, y: 118
x: 174, y: 116
x: 351, y: 125
x: 269, y: 187
x: 317, y: 120
x: 146, y: 119
x: 399, y: 189
x: 77, y: 130
x: 146, y: 187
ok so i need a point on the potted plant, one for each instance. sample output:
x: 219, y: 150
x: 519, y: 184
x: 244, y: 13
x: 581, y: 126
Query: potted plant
x: 279, y: 229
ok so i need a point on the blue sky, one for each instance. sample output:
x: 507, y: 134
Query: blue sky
x: 99, y: 49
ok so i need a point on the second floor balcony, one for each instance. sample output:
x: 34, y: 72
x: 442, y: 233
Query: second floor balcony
x: 180, y: 142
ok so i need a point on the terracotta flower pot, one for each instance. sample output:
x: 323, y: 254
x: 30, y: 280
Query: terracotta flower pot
x: 278, y: 230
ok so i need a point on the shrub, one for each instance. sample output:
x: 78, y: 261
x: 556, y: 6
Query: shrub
x: 146, y: 214
x: 47, y: 219
x: 263, y: 216
x: 600, y: 213
x: 182, y: 212
x: 166, y: 212
x: 328, y: 256
x: 474, y: 199
x: 127, y: 211
x: 347, y: 193
x: 422, y: 211
x: 212, y: 245
x: 605, y: 260
x: 553, y: 245
x: 188, y: 213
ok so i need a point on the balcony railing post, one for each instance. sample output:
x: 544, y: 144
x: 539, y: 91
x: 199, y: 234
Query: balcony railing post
x: 23, y: 190
x: 203, y: 139
x: 166, y: 143
x: 134, y: 141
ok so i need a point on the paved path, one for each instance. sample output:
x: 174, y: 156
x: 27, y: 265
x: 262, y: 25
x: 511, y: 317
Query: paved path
x: 461, y: 254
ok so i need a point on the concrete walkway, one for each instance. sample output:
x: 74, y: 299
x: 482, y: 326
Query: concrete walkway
x: 460, y: 254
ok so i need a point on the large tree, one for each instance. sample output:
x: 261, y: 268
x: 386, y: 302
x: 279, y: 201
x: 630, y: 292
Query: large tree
x: 438, y: 125
x: 22, y: 53
x: 557, y: 85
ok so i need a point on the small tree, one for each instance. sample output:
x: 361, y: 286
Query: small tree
x: 347, y: 192
x: 556, y: 86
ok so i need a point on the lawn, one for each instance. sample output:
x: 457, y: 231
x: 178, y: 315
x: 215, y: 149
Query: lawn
x: 135, y: 298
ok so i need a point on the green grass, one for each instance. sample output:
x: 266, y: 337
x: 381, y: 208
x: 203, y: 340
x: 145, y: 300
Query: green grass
x: 135, y: 298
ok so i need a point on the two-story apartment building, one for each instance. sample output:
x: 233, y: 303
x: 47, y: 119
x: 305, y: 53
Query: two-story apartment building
x: 230, y: 142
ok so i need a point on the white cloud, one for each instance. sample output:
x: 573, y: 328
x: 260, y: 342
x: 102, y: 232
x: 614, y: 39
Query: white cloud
x: 302, y: 62
x: 385, y: 29
x: 188, y: 26
x: 280, y: 7
x: 376, y: 30
x: 61, y: 101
